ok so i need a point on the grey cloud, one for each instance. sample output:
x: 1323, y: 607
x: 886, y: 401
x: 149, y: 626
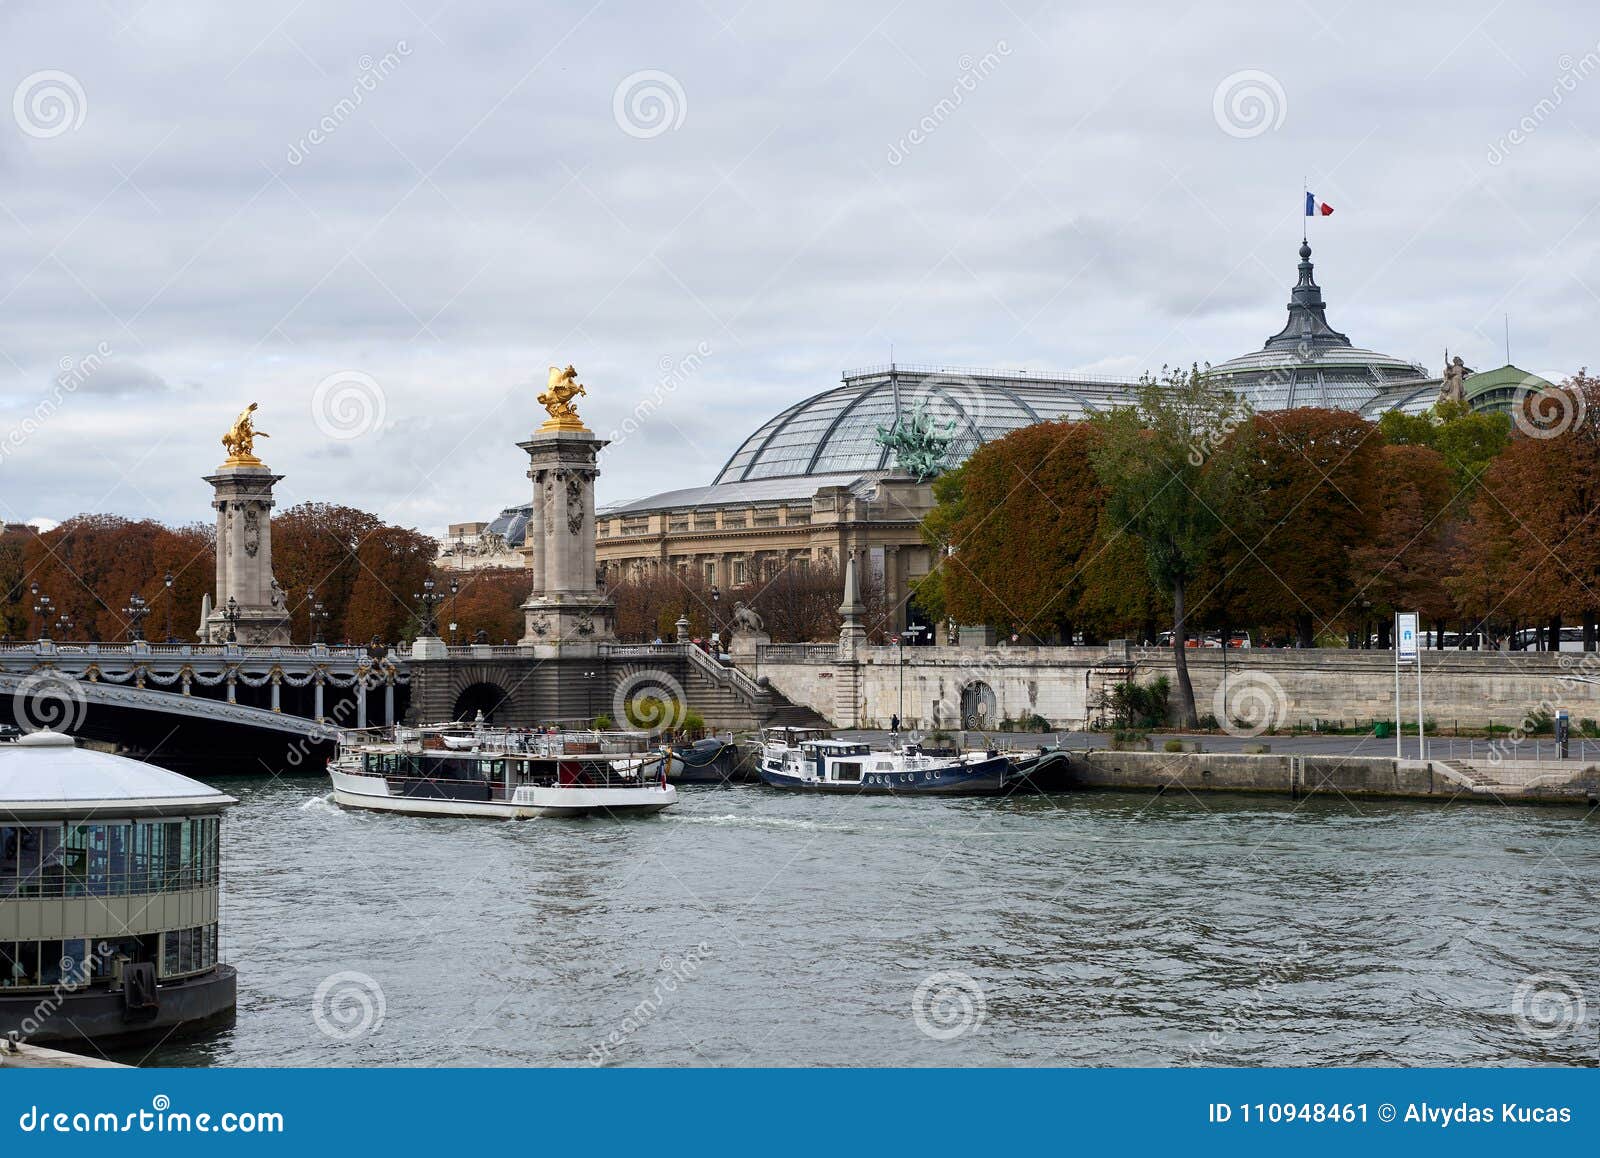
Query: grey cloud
x: 1081, y: 208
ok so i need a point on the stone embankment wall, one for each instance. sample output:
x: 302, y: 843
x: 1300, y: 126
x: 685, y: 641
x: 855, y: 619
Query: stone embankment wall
x: 1068, y: 685
x: 1349, y: 777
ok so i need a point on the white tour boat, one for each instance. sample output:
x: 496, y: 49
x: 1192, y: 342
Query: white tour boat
x: 473, y: 770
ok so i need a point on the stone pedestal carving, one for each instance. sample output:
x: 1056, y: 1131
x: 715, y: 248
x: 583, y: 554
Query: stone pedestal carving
x: 243, y: 501
x: 566, y: 613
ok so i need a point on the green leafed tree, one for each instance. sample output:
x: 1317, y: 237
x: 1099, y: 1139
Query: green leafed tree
x: 1169, y: 467
x: 1468, y: 441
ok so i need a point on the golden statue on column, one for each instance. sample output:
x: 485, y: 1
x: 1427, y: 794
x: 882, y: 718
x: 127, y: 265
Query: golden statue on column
x: 240, y: 441
x: 560, y: 389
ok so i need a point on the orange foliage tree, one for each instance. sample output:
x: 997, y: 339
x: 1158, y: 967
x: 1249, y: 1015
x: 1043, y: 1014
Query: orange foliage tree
x: 1313, y: 476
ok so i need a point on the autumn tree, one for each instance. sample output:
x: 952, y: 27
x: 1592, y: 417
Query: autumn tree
x: 1313, y: 476
x: 1169, y: 467
x: 315, y: 547
x: 1019, y: 532
x: 487, y: 601
x: 91, y: 565
x: 1402, y: 566
x: 1532, y: 549
x: 391, y: 564
x: 1467, y: 440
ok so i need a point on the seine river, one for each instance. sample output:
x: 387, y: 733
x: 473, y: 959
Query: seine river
x: 749, y: 926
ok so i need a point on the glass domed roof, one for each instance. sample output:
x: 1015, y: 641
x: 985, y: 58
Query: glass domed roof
x: 836, y: 431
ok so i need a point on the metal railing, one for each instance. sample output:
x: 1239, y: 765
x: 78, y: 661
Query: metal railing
x: 726, y: 673
x: 134, y: 650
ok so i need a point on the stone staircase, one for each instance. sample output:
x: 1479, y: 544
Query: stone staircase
x: 1470, y: 775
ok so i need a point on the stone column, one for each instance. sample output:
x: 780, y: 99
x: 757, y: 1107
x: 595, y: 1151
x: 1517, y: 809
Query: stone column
x: 243, y: 501
x: 852, y: 638
x: 565, y: 613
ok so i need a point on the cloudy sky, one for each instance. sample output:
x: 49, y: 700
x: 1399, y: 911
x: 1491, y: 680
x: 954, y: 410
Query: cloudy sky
x: 383, y: 221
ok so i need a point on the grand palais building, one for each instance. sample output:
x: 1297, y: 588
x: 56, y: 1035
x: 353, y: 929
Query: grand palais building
x: 816, y: 482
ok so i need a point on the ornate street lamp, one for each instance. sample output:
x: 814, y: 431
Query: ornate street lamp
x: 716, y: 598
x: 136, y: 610
x: 429, y: 602
x: 167, y: 579
x: 42, y: 610
x: 230, y: 616
x: 319, y: 616
x: 64, y: 624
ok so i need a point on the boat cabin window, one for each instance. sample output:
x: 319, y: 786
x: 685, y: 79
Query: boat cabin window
x: 847, y: 771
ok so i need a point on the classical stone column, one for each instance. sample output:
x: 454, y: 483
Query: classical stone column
x: 243, y: 500
x: 565, y: 613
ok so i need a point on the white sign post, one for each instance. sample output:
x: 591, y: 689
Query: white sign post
x: 1407, y: 650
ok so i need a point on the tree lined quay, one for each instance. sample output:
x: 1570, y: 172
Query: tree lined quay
x: 1191, y: 519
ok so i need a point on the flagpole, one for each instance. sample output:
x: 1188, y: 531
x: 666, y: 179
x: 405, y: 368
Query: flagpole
x: 1305, y: 191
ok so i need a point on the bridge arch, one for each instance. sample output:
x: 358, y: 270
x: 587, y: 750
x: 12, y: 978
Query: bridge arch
x: 484, y: 696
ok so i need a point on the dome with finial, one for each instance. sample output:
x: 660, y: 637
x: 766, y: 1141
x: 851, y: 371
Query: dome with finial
x: 1309, y: 363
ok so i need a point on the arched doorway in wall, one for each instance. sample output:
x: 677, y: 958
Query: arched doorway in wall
x: 979, y: 708
x: 485, y: 697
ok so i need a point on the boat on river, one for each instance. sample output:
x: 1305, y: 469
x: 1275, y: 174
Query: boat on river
x: 711, y: 760
x: 844, y: 766
x: 508, y: 774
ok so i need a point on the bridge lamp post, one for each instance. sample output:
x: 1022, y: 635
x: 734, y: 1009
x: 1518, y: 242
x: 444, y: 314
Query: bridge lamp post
x: 230, y: 615
x: 64, y: 625
x: 716, y: 600
x: 429, y: 602
x: 318, y: 616
x: 588, y: 694
x: 454, y: 587
x: 167, y: 579
x: 136, y: 610
x: 42, y: 610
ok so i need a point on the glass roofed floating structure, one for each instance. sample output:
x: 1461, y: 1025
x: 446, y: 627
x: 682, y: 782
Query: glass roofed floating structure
x: 820, y: 480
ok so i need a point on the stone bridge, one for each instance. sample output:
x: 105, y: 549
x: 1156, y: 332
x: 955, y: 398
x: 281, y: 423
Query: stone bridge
x: 202, y: 707
x: 512, y: 685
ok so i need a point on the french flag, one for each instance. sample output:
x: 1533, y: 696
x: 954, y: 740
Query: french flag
x: 1313, y: 206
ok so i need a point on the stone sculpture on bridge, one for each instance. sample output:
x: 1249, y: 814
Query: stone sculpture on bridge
x: 561, y: 388
x: 245, y: 587
x: 240, y: 440
x: 565, y: 613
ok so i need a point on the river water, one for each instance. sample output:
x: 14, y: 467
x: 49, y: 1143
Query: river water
x: 750, y: 926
